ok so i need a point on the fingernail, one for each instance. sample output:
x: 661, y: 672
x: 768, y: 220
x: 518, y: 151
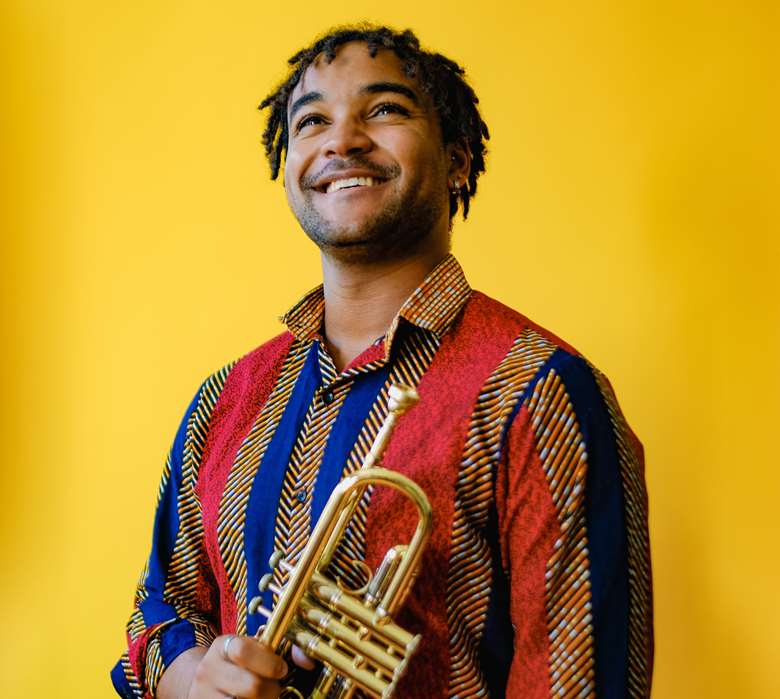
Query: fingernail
x: 283, y: 669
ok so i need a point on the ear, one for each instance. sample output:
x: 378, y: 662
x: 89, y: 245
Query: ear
x: 459, y: 165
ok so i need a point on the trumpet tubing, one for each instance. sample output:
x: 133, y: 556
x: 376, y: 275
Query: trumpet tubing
x: 351, y: 632
x: 344, y: 603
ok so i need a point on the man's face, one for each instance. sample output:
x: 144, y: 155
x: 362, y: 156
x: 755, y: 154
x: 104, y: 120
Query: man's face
x: 366, y: 170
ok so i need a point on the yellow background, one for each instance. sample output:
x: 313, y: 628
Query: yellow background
x: 630, y: 204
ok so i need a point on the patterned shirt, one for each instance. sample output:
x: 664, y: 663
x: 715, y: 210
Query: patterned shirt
x: 536, y: 579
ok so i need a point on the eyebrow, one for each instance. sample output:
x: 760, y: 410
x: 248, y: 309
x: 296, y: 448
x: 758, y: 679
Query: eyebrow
x: 370, y: 89
x: 400, y: 88
x: 303, y: 101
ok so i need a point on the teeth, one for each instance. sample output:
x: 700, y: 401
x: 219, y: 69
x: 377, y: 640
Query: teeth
x: 336, y: 185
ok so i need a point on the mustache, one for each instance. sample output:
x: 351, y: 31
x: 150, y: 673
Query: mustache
x: 385, y: 172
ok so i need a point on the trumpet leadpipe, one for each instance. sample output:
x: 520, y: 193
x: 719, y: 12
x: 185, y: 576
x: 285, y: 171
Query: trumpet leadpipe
x: 356, y: 639
x: 400, y: 398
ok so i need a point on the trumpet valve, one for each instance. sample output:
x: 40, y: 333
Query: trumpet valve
x: 384, y: 574
x: 276, y: 558
x: 255, y: 606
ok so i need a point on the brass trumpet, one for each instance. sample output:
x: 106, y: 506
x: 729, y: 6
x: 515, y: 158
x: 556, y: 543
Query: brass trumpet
x: 350, y: 631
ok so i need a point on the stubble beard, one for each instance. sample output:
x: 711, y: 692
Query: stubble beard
x: 396, y: 231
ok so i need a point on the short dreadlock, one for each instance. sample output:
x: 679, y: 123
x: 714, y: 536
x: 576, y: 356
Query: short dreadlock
x: 453, y: 98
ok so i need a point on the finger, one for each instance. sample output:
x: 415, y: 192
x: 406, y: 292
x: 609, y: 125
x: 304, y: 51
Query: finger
x: 250, y: 654
x: 271, y: 690
x: 301, y: 659
x: 235, y: 681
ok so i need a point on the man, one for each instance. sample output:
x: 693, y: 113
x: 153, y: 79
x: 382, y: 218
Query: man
x: 536, y: 581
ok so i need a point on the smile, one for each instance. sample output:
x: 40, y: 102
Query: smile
x: 352, y: 182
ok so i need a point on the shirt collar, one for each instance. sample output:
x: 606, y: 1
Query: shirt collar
x: 304, y: 319
x: 433, y: 305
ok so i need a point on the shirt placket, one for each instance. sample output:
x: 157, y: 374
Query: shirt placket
x: 295, y: 509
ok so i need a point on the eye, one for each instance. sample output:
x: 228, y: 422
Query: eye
x: 309, y: 120
x: 390, y: 108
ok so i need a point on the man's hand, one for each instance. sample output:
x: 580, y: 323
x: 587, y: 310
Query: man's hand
x: 238, y: 666
x: 234, y: 666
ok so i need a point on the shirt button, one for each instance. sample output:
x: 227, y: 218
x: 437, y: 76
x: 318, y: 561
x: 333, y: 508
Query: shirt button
x: 300, y: 496
x: 328, y: 397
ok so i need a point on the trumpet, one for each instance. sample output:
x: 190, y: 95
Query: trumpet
x: 351, y: 632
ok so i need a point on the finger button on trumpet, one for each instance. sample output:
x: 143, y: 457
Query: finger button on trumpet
x: 265, y: 581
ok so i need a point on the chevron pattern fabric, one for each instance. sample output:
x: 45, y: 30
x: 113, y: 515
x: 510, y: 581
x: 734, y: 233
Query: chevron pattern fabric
x: 536, y: 582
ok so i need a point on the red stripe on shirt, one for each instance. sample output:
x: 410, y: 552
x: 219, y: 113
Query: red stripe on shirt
x: 246, y: 391
x: 475, y: 345
x: 525, y: 504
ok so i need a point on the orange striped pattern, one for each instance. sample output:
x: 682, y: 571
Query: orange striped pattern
x: 180, y: 588
x: 130, y: 677
x: 432, y: 308
x: 411, y: 364
x: 524, y: 377
x: 233, y: 507
x: 470, y: 576
x: 293, y: 519
x: 640, y: 605
x: 561, y: 449
x: 183, y: 566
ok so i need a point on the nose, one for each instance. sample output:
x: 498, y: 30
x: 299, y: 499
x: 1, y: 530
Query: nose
x: 347, y: 137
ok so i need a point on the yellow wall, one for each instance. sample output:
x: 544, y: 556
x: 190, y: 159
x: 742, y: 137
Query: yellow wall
x: 631, y: 205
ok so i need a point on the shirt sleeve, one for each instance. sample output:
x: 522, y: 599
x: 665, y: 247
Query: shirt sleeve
x: 172, y: 604
x: 574, y: 541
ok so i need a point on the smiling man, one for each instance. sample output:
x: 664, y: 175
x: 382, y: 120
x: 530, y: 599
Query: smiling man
x: 536, y: 581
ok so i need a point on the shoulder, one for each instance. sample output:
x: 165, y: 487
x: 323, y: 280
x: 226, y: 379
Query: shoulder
x: 228, y: 398
x: 545, y: 370
x: 499, y: 316
x: 250, y: 375
x: 562, y: 404
x: 530, y: 351
x: 261, y: 362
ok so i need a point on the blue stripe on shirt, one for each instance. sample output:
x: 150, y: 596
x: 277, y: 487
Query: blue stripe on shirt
x: 344, y: 434
x: 497, y: 646
x: 166, y: 528
x: 604, y: 517
x: 605, y: 522
x: 267, y: 485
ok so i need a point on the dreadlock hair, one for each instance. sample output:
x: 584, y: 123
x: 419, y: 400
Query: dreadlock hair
x: 441, y: 78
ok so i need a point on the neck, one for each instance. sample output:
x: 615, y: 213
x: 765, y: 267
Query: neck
x: 361, y: 299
